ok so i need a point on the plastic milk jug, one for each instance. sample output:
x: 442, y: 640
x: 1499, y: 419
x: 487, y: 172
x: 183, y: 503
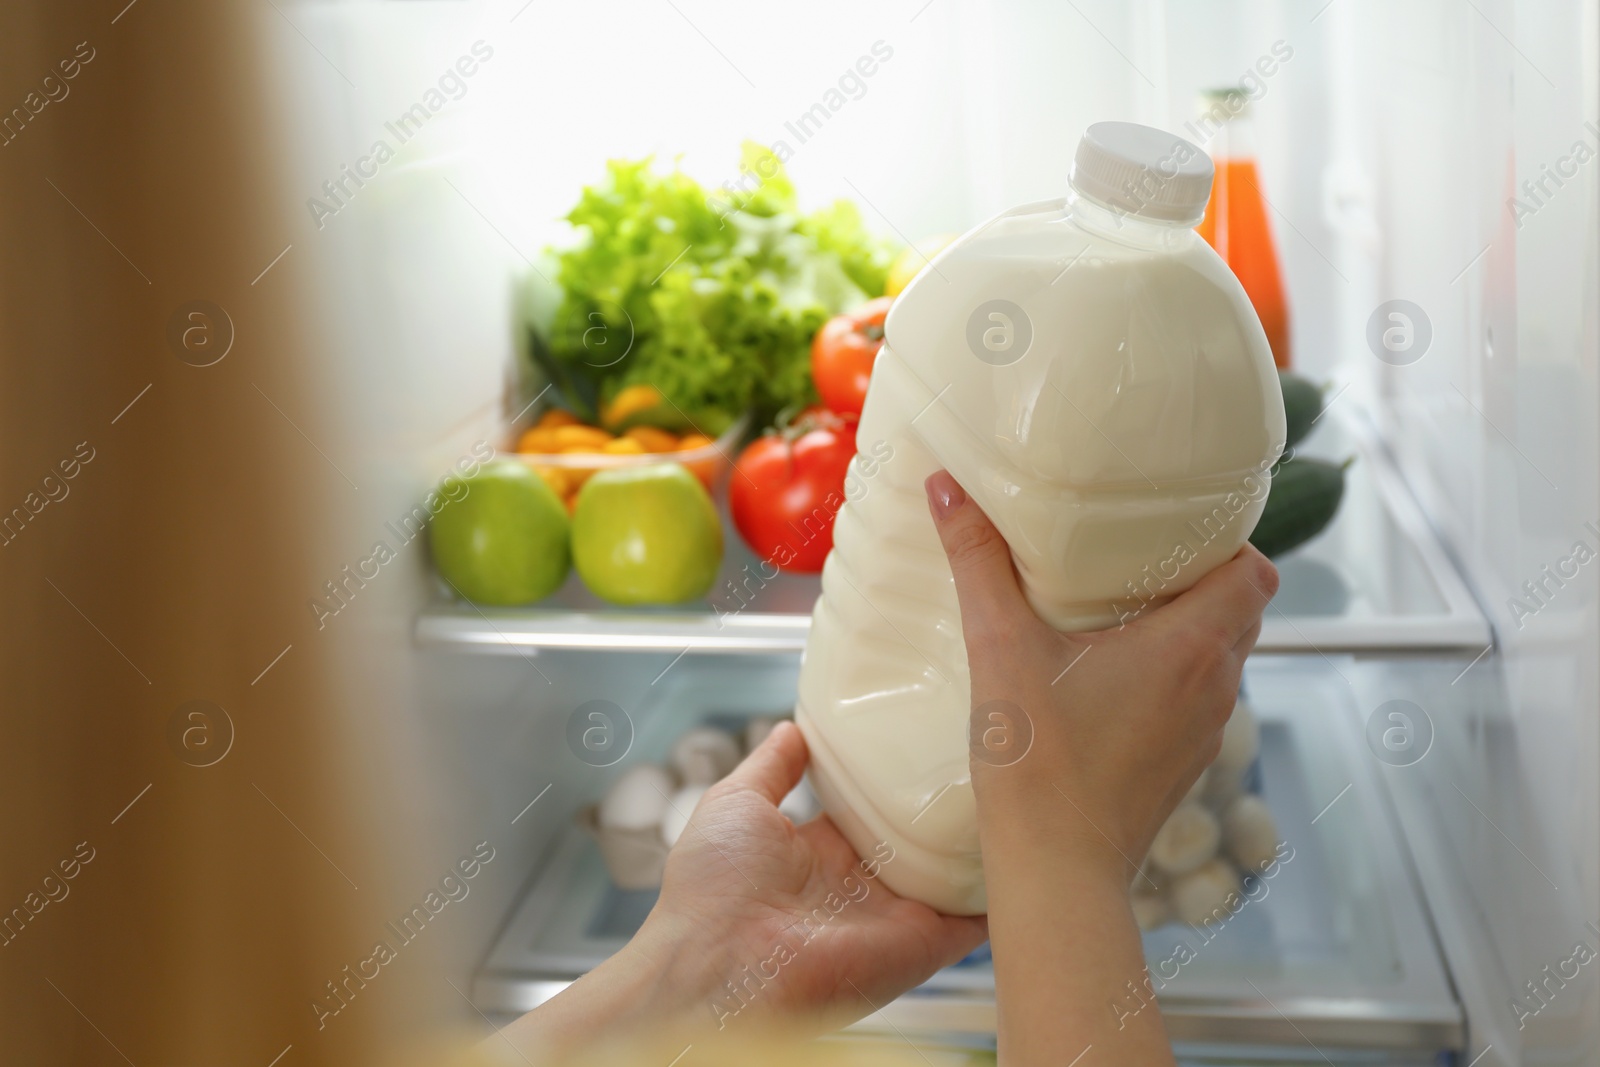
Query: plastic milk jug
x: 1093, y: 375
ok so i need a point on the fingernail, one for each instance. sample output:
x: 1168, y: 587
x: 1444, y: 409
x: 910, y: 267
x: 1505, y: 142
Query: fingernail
x: 944, y: 494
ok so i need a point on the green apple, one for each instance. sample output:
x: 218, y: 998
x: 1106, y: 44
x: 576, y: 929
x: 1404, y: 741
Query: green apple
x: 646, y: 535
x: 505, y: 539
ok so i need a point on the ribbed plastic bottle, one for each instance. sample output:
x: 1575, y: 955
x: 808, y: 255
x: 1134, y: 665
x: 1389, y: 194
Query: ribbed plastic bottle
x: 1093, y: 375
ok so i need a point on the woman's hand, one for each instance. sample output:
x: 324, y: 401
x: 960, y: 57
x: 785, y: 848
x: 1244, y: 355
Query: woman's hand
x: 761, y: 925
x: 801, y: 926
x: 1118, y: 725
x: 1122, y: 721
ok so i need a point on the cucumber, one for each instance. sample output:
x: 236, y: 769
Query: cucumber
x: 1304, y: 499
x: 1302, y: 404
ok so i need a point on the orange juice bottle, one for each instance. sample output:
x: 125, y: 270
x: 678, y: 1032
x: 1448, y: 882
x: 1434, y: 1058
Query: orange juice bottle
x: 1236, y: 222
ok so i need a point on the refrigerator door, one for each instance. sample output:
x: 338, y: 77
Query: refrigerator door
x: 1474, y: 131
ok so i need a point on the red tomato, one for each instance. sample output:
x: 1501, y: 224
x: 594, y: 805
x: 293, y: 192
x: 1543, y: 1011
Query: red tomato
x: 843, y: 352
x: 787, y: 487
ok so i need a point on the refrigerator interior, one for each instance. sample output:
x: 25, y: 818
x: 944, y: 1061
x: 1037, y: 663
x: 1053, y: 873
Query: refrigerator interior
x: 1395, y: 142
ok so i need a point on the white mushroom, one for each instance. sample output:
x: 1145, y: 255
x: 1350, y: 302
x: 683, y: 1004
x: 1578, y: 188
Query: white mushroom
x: 704, y: 755
x: 1249, y: 833
x: 1241, y: 738
x: 1221, y: 789
x: 637, y: 799
x: 1208, y: 894
x: 1150, y: 910
x: 678, y: 811
x: 801, y: 805
x: 756, y: 731
x: 1186, y: 840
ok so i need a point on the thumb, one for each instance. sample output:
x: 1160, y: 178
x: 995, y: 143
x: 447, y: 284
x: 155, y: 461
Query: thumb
x: 980, y: 559
x: 774, y: 767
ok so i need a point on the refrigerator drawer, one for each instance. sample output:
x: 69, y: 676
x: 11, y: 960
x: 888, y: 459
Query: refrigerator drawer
x: 1335, y: 950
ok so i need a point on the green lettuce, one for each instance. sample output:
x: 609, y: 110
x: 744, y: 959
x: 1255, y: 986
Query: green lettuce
x: 712, y: 300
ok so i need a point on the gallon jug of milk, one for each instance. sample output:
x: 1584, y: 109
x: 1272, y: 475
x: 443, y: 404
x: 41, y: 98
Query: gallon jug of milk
x: 1093, y: 375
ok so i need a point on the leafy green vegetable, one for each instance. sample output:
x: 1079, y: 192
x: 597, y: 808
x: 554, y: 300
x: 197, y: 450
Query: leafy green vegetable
x: 713, y: 302
x: 838, y: 229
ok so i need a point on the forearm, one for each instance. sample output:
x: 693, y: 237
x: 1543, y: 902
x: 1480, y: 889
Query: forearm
x: 1069, y: 965
x: 648, y: 996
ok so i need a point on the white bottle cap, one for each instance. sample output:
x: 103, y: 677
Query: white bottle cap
x: 1143, y: 171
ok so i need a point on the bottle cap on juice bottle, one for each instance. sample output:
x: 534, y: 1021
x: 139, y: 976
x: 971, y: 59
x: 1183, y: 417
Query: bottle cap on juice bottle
x: 1138, y: 170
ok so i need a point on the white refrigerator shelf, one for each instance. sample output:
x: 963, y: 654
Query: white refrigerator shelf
x: 1377, y: 580
x: 1338, y: 952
